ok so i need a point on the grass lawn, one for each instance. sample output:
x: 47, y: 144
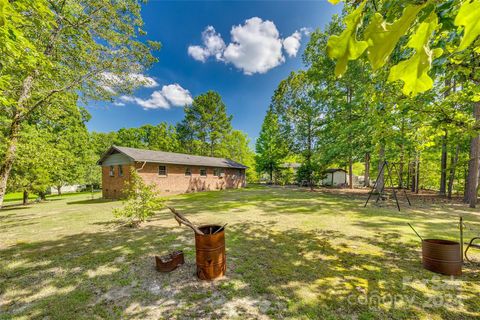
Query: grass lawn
x: 17, y: 197
x: 290, y: 253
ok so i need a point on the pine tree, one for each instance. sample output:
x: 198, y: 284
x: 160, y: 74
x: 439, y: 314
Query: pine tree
x: 270, y: 146
x: 205, y: 120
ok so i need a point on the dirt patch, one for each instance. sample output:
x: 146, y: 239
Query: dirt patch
x: 167, y: 295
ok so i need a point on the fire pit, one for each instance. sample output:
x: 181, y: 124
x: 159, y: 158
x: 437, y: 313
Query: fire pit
x: 210, y: 248
x: 442, y: 256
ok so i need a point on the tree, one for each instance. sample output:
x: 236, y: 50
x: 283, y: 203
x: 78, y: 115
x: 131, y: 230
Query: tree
x: 236, y: 146
x: 31, y: 172
x: 206, y: 120
x: 348, y: 106
x: 51, y: 49
x: 301, y: 110
x: 69, y: 145
x: 270, y: 146
x: 163, y: 137
x: 389, y: 22
x: 141, y: 200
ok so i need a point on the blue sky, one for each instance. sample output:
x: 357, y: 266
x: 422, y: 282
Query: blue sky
x: 245, y: 70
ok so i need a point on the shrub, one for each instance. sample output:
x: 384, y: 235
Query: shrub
x: 141, y: 200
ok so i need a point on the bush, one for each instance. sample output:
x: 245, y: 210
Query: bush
x: 141, y: 200
x: 284, y: 176
x: 309, y: 172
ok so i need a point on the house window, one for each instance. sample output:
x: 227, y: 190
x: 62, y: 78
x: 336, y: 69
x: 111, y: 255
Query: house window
x: 203, y: 172
x: 120, y: 171
x: 112, y: 171
x: 162, y: 171
x: 188, y: 172
x: 218, y: 172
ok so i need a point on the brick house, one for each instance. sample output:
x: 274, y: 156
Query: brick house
x: 171, y: 172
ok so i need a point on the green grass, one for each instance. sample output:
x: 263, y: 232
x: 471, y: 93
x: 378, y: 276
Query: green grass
x: 18, y: 196
x: 291, y: 254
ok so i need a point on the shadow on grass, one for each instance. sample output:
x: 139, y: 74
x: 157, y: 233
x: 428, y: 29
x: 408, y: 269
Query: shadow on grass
x: 13, y: 207
x: 91, y: 201
x: 317, y: 274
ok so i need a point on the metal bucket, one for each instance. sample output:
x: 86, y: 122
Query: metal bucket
x: 210, y: 247
x: 442, y: 256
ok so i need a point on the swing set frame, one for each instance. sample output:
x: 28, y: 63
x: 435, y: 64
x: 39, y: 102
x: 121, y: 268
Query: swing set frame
x: 387, y: 168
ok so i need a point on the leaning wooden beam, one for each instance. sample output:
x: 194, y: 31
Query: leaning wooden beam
x: 181, y: 219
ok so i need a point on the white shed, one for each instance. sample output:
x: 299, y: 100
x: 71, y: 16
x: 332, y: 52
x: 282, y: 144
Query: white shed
x: 335, y: 177
x: 65, y: 189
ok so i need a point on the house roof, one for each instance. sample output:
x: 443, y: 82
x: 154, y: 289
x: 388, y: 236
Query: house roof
x: 332, y: 170
x: 143, y: 155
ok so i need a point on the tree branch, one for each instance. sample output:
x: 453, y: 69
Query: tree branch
x: 181, y: 219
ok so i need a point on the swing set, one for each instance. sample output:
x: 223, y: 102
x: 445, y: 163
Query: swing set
x: 386, y: 170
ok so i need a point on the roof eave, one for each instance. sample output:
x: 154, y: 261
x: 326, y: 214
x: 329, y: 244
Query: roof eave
x: 108, y: 153
x: 189, y: 164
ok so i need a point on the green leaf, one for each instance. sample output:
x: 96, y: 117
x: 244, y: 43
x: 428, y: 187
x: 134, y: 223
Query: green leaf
x: 413, y: 71
x: 345, y: 46
x: 3, y: 4
x: 382, y: 37
x: 469, y: 17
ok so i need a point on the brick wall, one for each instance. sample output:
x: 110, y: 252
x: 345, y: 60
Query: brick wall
x: 112, y: 187
x: 175, y: 181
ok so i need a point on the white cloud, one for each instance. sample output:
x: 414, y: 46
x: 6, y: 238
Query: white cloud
x: 145, y: 81
x: 172, y: 95
x: 118, y: 104
x: 292, y: 44
x: 213, y: 45
x: 255, y: 47
x: 176, y: 95
x: 306, y: 31
x: 198, y: 53
x: 110, y: 81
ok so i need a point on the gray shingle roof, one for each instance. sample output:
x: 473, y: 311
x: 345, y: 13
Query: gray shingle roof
x: 172, y: 158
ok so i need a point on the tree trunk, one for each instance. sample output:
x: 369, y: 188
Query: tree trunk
x: 12, y: 137
x: 472, y: 179
x: 350, y: 173
x: 59, y: 190
x: 10, y: 155
x: 409, y: 169
x: 443, y: 166
x: 402, y: 156
x: 381, y: 160
x: 453, y: 166
x: 309, y: 154
x: 367, y: 170
x: 417, y: 174
x: 25, y: 197
x: 400, y: 172
x: 413, y: 167
x: 271, y: 174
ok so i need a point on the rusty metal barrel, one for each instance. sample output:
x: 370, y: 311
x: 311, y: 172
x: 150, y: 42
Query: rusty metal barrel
x: 442, y: 256
x: 210, y: 249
